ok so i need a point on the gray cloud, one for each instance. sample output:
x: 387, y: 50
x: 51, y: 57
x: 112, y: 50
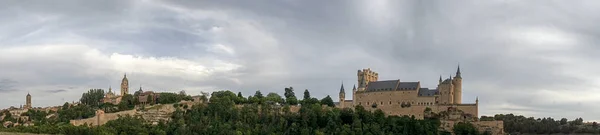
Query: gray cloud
x: 56, y: 91
x: 7, y: 85
x: 525, y: 57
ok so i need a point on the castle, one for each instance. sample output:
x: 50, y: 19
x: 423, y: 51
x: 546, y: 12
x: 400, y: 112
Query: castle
x: 110, y: 97
x: 396, y: 97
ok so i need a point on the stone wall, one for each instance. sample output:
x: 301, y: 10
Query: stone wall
x: 101, y: 119
x: 156, y: 113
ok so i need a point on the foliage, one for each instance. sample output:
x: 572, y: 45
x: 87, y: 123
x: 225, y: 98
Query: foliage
x: 306, y: 94
x: 169, y: 98
x: 529, y: 125
x: 274, y: 98
x: 220, y: 116
x: 258, y: 98
x: 92, y: 98
x: 327, y: 101
x: 462, y: 128
x: 127, y: 103
x: 75, y: 112
x: 290, y: 96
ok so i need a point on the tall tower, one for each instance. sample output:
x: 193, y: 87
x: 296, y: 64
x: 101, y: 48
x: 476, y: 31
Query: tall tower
x: 457, y: 82
x: 353, y: 95
x: 124, y: 86
x: 364, y: 77
x: 28, y: 101
x: 342, y: 96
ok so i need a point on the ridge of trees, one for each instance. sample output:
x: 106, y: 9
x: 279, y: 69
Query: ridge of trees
x: 221, y: 116
x: 520, y: 124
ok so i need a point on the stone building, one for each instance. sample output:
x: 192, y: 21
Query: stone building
x: 110, y: 97
x: 147, y: 97
x: 124, y: 85
x: 396, y: 97
x: 27, y: 101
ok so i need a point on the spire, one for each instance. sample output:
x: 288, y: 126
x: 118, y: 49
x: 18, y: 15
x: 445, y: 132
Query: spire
x: 354, y: 88
x: 140, y: 87
x: 440, y: 78
x: 109, y: 88
x: 458, y: 71
x: 477, y: 99
x: 342, y: 88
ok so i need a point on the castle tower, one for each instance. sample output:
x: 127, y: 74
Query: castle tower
x: 353, y: 95
x: 124, y: 86
x: 457, y: 82
x: 446, y: 91
x: 364, y: 77
x: 28, y: 101
x: 342, y: 96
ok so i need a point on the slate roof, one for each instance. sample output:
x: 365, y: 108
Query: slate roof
x: 426, y: 92
x: 391, y: 85
x: 408, y: 86
x: 342, y: 89
x: 383, y: 85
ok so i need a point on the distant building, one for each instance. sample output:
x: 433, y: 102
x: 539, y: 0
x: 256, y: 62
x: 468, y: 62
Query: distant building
x: 124, y: 85
x: 110, y: 97
x: 147, y: 97
x: 396, y: 97
x: 28, y: 101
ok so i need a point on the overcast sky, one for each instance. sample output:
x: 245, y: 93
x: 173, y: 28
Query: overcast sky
x: 535, y: 58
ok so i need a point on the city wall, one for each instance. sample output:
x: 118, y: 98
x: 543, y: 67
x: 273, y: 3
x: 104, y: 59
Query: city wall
x: 102, y: 118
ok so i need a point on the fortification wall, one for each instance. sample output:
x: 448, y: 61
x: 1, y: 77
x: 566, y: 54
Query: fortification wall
x: 103, y: 118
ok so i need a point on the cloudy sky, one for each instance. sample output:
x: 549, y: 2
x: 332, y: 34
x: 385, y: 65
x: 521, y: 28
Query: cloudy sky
x: 535, y: 58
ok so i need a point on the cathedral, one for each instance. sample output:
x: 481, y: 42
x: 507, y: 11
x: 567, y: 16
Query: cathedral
x: 110, y: 97
x: 397, y: 97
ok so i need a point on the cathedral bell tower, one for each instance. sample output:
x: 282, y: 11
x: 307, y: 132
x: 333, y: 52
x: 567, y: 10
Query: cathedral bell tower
x: 28, y: 101
x: 124, y: 86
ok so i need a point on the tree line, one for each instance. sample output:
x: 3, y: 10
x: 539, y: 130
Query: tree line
x: 258, y: 114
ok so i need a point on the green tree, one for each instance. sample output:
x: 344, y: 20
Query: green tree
x: 92, y: 98
x: 274, y: 98
x: 290, y: 96
x: 306, y: 94
x: 462, y: 128
x: 327, y: 101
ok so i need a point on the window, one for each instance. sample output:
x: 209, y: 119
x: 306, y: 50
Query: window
x: 390, y: 102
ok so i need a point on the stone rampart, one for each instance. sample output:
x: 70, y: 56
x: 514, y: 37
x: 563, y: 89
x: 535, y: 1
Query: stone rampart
x: 102, y: 118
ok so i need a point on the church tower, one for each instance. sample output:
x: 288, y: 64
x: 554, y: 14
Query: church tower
x: 342, y: 96
x: 28, y: 101
x: 124, y: 86
x: 457, y: 82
